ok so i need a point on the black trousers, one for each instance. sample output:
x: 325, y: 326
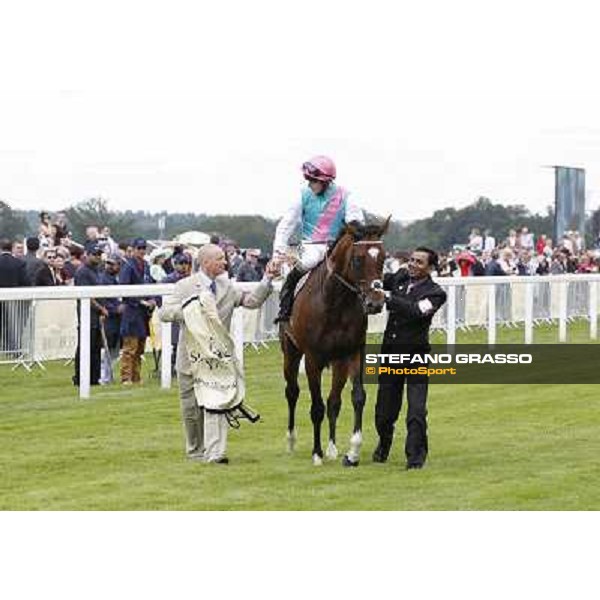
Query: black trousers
x: 95, y: 348
x: 387, y: 410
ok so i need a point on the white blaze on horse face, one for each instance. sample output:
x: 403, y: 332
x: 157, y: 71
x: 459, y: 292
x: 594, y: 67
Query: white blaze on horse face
x: 373, y: 253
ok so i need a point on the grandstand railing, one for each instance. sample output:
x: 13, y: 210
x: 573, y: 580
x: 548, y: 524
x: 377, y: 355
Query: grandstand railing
x: 40, y: 324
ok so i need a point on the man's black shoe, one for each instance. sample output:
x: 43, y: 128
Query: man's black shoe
x: 380, y: 455
x: 410, y: 466
x: 220, y: 461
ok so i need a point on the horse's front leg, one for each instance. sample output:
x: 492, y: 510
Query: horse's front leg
x: 359, y: 397
x: 317, y: 406
x: 334, y: 401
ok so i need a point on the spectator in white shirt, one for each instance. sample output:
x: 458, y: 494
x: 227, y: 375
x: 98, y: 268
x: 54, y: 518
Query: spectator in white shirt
x: 526, y: 239
x: 489, y: 241
x: 475, y: 240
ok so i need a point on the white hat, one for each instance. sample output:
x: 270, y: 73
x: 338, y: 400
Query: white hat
x: 160, y: 253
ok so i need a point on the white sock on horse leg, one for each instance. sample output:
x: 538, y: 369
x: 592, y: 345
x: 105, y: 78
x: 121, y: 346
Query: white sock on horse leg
x: 355, y: 445
x: 332, y: 452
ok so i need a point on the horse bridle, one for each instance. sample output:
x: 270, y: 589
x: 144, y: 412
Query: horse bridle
x: 356, y: 289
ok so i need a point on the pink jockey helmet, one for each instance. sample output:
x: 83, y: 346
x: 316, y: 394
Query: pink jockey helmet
x: 320, y: 168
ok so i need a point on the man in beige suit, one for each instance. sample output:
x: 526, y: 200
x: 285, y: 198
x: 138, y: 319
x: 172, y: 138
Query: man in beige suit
x: 206, y: 432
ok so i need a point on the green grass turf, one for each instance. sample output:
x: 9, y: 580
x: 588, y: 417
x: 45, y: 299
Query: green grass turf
x: 491, y: 448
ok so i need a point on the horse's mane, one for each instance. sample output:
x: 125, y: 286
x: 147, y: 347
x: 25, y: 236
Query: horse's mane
x: 358, y: 232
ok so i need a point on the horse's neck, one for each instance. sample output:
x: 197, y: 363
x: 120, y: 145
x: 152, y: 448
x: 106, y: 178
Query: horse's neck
x: 336, y: 288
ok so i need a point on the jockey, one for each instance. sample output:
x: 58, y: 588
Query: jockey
x: 321, y: 212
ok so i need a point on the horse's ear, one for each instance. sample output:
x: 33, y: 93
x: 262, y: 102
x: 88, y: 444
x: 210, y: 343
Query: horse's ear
x: 386, y: 225
x: 353, y: 228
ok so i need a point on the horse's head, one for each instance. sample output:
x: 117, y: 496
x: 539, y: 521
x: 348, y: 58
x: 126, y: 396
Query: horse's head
x: 357, y: 260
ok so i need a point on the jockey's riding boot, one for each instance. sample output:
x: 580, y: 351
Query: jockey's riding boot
x: 286, y: 296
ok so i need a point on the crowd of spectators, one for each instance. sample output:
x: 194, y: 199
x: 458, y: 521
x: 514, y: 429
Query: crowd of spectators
x: 120, y: 327
x: 520, y: 253
x: 52, y: 257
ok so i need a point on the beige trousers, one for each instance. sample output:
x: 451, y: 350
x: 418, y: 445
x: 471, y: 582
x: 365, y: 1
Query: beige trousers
x: 215, y: 436
x: 192, y: 416
x: 205, y: 433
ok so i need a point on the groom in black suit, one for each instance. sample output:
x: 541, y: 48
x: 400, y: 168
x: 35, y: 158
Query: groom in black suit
x: 412, y: 300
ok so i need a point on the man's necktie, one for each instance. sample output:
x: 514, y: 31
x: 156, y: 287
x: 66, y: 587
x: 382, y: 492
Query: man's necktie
x: 213, y: 287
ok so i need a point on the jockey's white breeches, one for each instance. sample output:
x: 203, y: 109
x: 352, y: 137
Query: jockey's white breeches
x: 311, y: 255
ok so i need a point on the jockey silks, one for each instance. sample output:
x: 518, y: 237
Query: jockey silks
x: 323, y: 215
x: 320, y: 218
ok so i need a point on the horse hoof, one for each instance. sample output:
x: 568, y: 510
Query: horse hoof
x: 331, y: 453
x: 317, y: 460
x: 346, y: 462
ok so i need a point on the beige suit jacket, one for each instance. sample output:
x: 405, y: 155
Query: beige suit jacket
x: 228, y: 298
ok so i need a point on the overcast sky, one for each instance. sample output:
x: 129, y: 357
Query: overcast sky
x: 162, y: 107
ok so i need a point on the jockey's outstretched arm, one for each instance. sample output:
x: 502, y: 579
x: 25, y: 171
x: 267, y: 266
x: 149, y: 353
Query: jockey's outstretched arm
x: 291, y: 219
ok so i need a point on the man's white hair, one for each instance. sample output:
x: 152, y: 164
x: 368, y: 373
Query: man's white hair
x: 208, y: 252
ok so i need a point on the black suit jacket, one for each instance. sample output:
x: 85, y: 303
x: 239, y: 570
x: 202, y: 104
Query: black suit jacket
x: 493, y: 268
x: 12, y: 271
x: 38, y: 272
x: 408, y: 325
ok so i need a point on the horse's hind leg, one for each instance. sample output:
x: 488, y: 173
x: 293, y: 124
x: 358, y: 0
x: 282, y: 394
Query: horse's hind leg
x: 334, y: 401
x: 317, y: 406
x: 359, y: 396
x: 291, y: 364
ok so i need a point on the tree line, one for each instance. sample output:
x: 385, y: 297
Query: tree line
x: 441, y: 231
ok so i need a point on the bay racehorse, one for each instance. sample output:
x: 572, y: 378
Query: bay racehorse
x: 329, y: 327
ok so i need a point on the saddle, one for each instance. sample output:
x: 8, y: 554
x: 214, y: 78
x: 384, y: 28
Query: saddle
x: 302, y: 282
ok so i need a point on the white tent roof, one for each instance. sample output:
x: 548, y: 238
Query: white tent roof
x: 193, y: 238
